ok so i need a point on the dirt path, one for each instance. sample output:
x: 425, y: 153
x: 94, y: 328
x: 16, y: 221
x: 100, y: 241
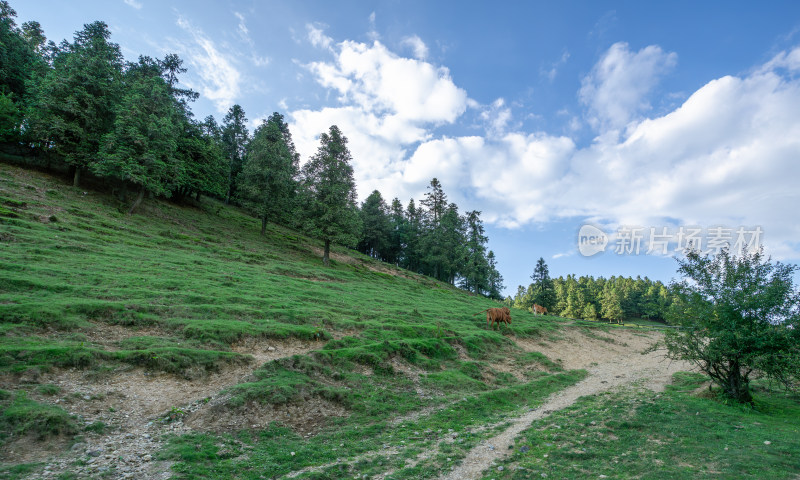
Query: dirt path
x: 132, y: 403
x: 612, y: 360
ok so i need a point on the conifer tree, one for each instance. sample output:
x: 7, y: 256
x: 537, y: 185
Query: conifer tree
x: 142, y: 147
x: 376, y: 227
x: 74, y: 103
x: 543, y: 291
x: 267, y: 183
x: 329, y: 195
x: 234, y: 139
x: 475, y: 277
x: 495, y: 278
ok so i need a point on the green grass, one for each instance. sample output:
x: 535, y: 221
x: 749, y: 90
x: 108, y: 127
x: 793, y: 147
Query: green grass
x: 676, y: 434
x: 20, y: 415
x: 182, y: 284
x: 187, y: 282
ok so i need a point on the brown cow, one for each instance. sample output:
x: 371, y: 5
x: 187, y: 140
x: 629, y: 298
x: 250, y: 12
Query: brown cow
x: 497, y: 315
x: 539, y: 310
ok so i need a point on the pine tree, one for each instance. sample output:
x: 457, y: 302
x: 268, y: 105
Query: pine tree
x: 376, y: 227
x: 142, y: 146
x: 589, y: 312
x: 234, y: 139
x: 543, y: 291
x: 266, y: 185
x: 74, y: 103
x: 412, y: 258
x: 495, y: 280
x: 398, y: 231
x: 611, y: 306
x: 475, y: 277
x: 435, y: 201
x: 329, y: 195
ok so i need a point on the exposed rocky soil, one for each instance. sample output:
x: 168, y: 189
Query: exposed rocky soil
x: 139, y: 407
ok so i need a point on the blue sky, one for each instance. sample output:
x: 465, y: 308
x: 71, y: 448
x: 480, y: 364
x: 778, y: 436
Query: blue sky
x: 542, y: 115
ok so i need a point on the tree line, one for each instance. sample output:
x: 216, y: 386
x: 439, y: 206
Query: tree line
x: 432, y: 239
x: 589, y: 298
x: 79, y: 106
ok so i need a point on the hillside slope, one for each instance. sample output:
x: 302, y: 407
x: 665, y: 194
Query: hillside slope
x: 179, y: 343
x: 113, y: 317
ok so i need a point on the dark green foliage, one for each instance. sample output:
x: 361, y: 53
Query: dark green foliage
x: 141, y: 149
x: 18, y: 63
x: 437, y: 242
x: 376, y: 233
x: 613, y: 299
x: 475, y: 275
x: 267, y: 184
x: 442, y: 241
x: 328, y: 195
x: 494, y: 279
x: 543, y: 290
x: 234, y: 141
x: 74, y: 102
x: 740, y: 317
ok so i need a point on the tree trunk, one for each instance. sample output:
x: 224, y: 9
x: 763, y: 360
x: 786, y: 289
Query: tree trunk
x: 263, y: 225
x: 326, y: 256
x: 230, y: 187
x: 137, y: 201
x: 737, y: 387
x: 123, y: 192
x: 76, y: 180
x: 197, y: 197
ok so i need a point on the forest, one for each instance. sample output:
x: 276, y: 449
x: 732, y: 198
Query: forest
x: 614, y: 299
x: 79, y: 108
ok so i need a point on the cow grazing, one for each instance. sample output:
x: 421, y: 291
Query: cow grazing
x: 497, y: 315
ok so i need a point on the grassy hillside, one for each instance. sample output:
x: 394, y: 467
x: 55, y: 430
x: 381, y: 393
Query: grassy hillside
x: 190, y: 282
x: 257, y: 362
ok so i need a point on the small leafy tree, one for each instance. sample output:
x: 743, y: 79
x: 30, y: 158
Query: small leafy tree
x: 739, y: 317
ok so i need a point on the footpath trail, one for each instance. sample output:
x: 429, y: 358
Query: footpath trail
x: 612, y: 361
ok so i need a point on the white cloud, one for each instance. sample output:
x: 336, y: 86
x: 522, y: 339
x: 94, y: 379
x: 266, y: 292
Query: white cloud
x: 317, y: 37
x: 496, y: 116
x: 552, y: 72
x: 378, y: 80
x: 726, y: 156
x: 244, y: 34
x: 134, y: 4
x: 388, y: 103
x: 789, y: 60
x: 615, y: 92
x: 417, y: 46
x: 373, y: 34
x: 219, y: 78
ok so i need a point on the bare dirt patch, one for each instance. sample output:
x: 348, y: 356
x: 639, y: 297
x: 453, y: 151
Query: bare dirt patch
x: 134, y: 405
x: 306, y: 418
x: 109, y: 335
